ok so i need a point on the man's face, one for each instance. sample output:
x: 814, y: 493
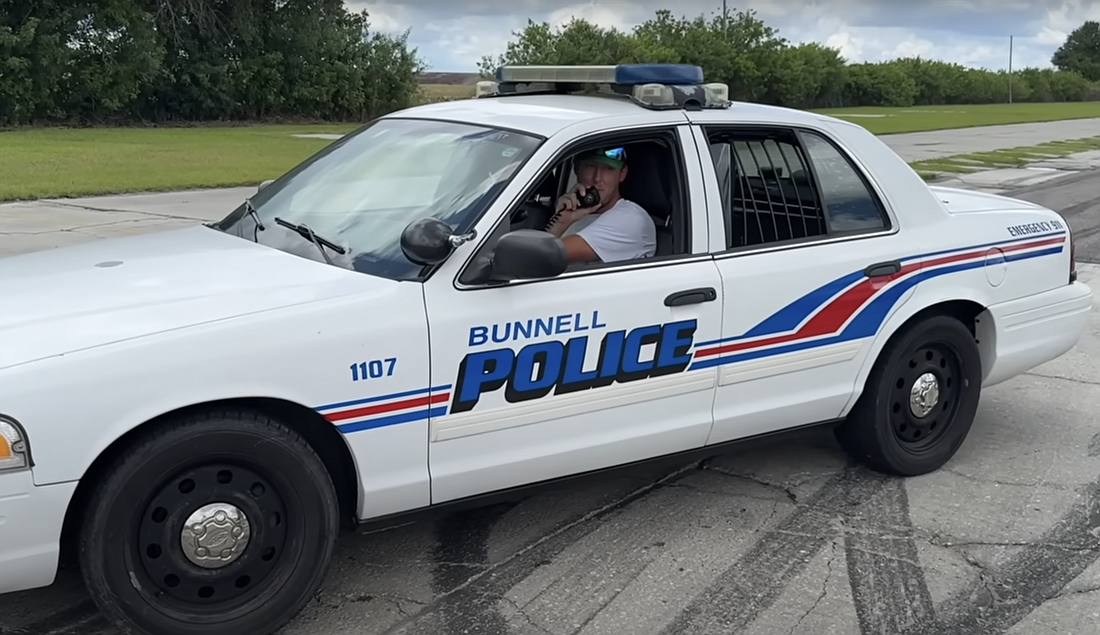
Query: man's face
x: 603, y: 177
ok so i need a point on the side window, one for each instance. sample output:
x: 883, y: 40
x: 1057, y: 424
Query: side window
x: 767, y: 193
x: 851, y: 204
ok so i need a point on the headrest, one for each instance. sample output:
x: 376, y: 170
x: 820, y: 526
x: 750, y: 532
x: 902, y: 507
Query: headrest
x: 646, y: 183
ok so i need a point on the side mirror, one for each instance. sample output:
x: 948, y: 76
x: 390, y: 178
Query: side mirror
x: 429, y: 241
x: 264, y: 184
x: 526, y: 254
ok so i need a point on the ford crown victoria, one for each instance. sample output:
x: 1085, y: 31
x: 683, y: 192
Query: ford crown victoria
x: 404, y: 322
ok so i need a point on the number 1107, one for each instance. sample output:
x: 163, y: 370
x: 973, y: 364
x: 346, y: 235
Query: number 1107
x: 373, y: 369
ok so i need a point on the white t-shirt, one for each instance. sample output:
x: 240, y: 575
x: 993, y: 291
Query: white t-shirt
x: 624, y: 232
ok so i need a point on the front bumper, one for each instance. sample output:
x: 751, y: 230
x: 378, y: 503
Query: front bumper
x: 30, y: 530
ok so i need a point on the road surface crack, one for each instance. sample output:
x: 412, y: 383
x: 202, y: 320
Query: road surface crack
x: 111, y: 210
x: 951, y: 544
x: 786, y: 491
x: 993, y: 481
x: 1084, y: 382
x: 1082, y: 591
x: 518, y: 610
x: 824, y: 589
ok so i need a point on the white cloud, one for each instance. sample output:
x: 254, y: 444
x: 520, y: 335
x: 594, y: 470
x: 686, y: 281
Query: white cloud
x: 454, y: 36
x: 606, y: 14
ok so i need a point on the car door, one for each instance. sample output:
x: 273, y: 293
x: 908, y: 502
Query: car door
x: 553, y: 377
x: 807, y: 257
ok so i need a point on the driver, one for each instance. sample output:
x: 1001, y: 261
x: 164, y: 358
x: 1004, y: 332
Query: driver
x: 615, y: 228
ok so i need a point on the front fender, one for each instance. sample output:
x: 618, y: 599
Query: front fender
x: 75, y: 406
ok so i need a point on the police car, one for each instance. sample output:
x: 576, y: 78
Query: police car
x: 403, y: 322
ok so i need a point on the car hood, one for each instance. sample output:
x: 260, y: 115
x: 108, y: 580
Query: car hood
x: 62, y: 300
x: 960, y: 201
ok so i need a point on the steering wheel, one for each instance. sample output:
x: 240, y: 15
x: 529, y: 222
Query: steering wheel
x: 532, y: 215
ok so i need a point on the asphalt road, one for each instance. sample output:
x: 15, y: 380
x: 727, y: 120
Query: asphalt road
x: 783, y: 540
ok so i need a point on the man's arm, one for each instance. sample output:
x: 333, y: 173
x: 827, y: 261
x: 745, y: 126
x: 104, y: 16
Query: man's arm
x: 577, y: 248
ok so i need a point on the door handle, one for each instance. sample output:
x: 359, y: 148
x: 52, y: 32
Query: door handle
x: 692, y: 296
x: 883, y: 269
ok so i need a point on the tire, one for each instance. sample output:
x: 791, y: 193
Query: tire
x: 132, y: 552
x: 883, y: 430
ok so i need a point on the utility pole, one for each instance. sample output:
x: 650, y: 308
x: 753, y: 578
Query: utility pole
x: 1010, y: 69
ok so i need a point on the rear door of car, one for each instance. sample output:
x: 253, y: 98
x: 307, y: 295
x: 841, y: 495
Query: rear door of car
x: 812, y: 263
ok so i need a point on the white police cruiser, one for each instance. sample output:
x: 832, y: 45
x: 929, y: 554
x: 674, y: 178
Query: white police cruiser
x: 391, y: 327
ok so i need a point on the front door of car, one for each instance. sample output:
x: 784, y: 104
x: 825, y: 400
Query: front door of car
x: 584, y: 371
x: 808, y: 268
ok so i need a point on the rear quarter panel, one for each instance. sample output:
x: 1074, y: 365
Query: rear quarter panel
x: 1003, y: 252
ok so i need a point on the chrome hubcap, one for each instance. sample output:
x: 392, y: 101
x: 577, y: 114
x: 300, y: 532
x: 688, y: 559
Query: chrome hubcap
x: 215, y: 535
x: 924, y: 395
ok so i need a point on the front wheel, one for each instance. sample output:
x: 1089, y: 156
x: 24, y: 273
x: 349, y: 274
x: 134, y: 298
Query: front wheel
x: 218, y: 524
x: 919, y: 402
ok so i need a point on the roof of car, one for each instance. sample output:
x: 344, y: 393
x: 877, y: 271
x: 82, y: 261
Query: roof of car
x: 548, y: 114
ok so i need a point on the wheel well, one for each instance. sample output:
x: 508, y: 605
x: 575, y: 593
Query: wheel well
x: 965, y: 311
x: 317, y: 431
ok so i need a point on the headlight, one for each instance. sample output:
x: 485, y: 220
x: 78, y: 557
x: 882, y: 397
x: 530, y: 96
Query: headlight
x: 14, y: 453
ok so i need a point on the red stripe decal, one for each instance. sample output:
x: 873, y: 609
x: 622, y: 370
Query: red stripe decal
x: 839, y: 310
x: 382, y: 408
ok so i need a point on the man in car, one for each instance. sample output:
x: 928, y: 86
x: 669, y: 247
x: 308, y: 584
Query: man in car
x: 614, y: 229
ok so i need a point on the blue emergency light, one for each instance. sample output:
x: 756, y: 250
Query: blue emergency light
x: 648, y: 85
x: 620, y: 75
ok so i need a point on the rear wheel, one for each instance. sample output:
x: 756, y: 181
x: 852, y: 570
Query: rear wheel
x: 217, y: 524
x: 920, y: 400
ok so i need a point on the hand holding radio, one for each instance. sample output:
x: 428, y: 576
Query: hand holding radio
x: 581, y: 198
x: 576, y: 204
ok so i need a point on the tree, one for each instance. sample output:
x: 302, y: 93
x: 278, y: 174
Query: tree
x: 761, y: 66
x: 1081, y: 52
x: 79, y: 61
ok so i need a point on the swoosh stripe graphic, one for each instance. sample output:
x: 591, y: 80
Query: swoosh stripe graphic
x: 788, y: 318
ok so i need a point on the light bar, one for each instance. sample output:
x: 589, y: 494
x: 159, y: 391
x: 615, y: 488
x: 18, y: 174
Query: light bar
x: 622, y: 74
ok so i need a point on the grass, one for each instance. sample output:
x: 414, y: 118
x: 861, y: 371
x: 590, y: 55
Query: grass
x: 59, y: 162
x: 1006, y: 158
x: 442, y: 92
x: 924, y: 118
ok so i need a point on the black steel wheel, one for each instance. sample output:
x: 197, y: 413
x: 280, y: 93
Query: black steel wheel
x: 214, y: 525
x: 924, y: 397
x: 919, y: 401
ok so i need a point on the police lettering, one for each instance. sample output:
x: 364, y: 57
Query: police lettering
x: 541, y: 367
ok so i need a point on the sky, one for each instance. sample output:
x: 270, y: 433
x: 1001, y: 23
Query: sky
x: 453, y: 35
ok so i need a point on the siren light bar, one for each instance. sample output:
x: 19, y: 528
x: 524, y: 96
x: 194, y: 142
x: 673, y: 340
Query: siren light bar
x: 655, y: 86
x: 621, y: 75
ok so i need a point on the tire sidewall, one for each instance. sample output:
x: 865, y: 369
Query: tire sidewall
x: 300, y: 478
x: 881, y: 445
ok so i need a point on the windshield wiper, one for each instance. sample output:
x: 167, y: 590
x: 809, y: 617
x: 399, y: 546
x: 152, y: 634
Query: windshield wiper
x: 250, y: 209
x: 310, y: 235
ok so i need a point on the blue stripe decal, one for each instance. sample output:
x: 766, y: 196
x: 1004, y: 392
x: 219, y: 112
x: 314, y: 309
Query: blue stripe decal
x: 870, y: 319
x: 788, y: 318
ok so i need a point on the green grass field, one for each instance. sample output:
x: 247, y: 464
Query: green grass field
x: 58, y: 162
x: 923, y: 118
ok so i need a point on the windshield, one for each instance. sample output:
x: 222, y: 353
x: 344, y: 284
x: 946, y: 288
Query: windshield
x: 363, y: 190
